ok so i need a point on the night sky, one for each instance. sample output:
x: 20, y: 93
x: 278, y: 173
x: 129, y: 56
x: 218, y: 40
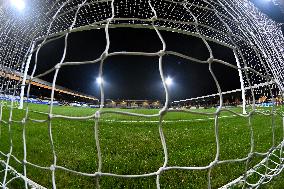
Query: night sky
x: 137, y: 77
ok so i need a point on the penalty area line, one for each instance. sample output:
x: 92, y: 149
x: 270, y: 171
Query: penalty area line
x: 164, y: 121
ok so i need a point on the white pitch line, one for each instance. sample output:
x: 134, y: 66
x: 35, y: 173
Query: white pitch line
x: 164, y: 121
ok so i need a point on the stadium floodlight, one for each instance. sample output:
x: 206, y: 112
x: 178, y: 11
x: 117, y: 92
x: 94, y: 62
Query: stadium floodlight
x: 19, y: 4
x: 169, y: 81
x: 99, y: 80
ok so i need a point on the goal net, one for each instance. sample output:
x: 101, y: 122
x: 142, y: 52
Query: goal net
x: 255, y: 40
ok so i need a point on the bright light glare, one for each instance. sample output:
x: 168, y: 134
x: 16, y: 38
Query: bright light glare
x: 99, y: 80
x: 169, y: 81
x: 19, y: 4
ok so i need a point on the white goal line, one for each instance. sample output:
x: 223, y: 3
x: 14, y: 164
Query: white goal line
x: 165, y: 121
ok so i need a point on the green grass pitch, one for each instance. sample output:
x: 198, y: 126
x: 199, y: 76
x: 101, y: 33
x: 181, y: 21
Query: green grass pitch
x: 131, y: 145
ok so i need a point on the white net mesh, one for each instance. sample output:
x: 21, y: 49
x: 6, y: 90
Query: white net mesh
x: 256, y: 41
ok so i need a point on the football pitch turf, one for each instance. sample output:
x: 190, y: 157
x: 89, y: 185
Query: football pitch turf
x: 131, y: 145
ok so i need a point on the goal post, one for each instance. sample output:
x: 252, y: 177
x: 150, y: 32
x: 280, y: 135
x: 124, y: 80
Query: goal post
x: 242, y: 84
x: 24, y: 79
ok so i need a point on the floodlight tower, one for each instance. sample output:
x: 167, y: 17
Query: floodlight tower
x: 169, y: 81
x: 18, y: 4
x: 99, y: 80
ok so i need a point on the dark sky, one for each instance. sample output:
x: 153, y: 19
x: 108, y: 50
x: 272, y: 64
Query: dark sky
x: 137, y: 77
x: 269, y: 8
